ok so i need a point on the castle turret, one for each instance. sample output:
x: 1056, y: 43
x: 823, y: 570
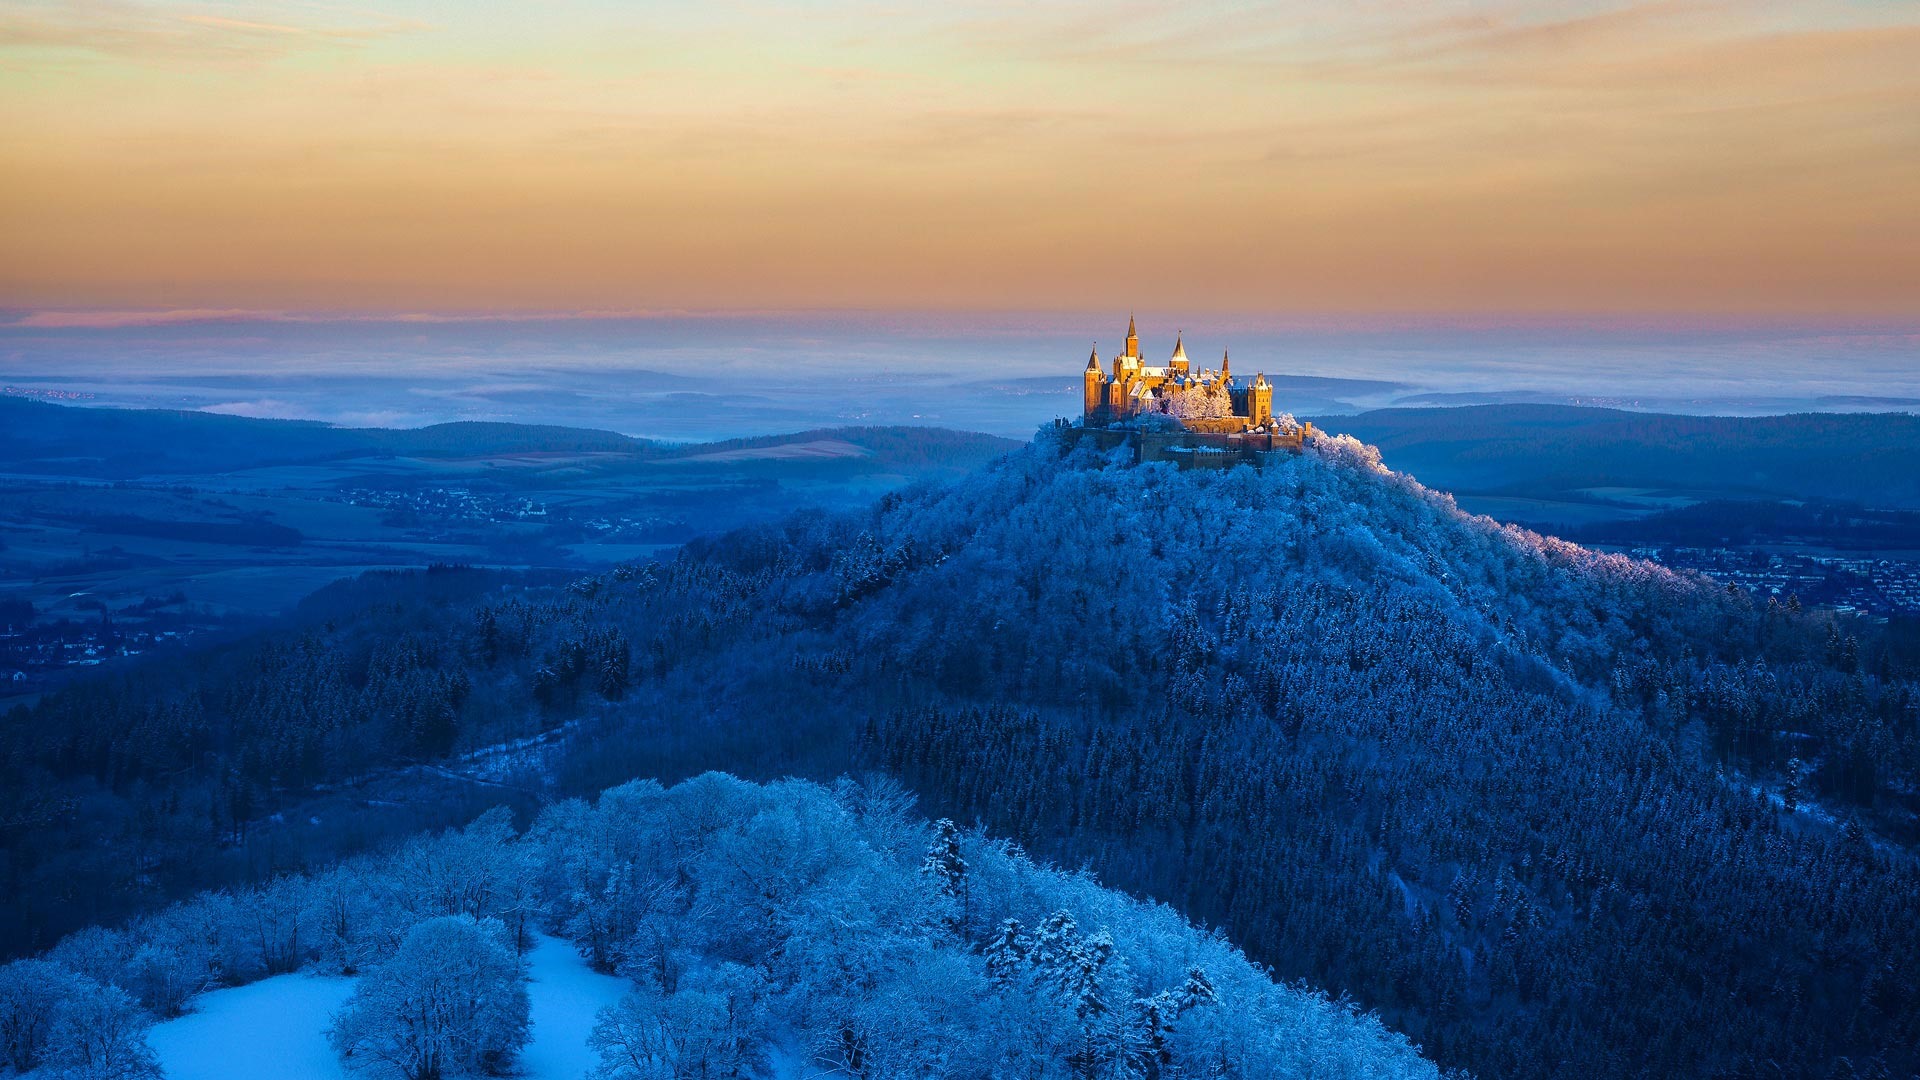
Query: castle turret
x: 1260, y: 402
x: 1178, y: 365
x: 1226, y: 367
x: 1133, y: 339
x: 1095, y: 380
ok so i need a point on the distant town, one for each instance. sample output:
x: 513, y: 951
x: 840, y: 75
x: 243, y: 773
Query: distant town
x: 458, y: 505
x: 33, y: 650
x: 1873, y: 586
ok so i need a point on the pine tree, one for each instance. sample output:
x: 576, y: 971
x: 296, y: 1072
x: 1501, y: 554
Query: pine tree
x: 945, y: 866
x: 1153, y: 1021
x: 1008, y: 954
x: 1053, y: 944
x: 1079, y: 982
x: 1195, y: 992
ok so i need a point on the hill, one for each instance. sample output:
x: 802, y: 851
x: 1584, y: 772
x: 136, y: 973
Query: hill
x: 54, y: 440
x: 1551, y: 812
x: 125, y: 443
x: 756, y: 931
x: 1557, y: 451
x: 125, y: 531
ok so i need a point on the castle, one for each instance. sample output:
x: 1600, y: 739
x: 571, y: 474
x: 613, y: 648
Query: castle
x: 1206, y: 417
x: 1204, y: 400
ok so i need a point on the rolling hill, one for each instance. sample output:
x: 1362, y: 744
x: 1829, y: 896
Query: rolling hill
x: 1558, y: 450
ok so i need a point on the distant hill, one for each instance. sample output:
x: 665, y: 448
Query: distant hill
x: 898, y: 445
x: 1872, y: 458
x: 41, y: 438
x: 123, y: 443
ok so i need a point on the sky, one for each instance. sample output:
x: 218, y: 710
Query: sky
x: 403, y: 158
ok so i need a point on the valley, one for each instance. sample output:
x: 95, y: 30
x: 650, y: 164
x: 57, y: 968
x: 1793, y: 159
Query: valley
x: 129, y: 551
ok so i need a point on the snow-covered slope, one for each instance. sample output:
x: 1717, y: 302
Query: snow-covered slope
x: 567, y: 995
x: 276, y: 1028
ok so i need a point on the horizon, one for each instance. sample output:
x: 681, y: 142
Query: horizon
x: 709, y: 376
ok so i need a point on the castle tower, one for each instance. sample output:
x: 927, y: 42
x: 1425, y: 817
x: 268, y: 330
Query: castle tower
x: 1260, y: 402
x: 1133, y: 339
x: 1226, y: 367
x: 1178, y: 365
x: 1095, y: 397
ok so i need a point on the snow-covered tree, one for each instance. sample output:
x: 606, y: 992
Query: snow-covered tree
x: 452, y: 1001
x: 1195, y: 991
x: 947, y: 869
x: 1197, y: 401
x: 480, y: 871
x: 100, y: 954
x: 100, y: 1033
x: 709, y: 1029
x: 346, y: 910
x: 1053, y: 946
x: 275, y: 913
x: 1154, y: 1025
x: 32, y: 994
x: 1008, y: 953
x: 1150, y: 1045
x: 191, y: 947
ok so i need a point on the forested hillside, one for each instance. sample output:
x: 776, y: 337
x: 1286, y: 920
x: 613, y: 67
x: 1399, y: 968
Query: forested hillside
x: 1552, y: 813
x: 760, y: 928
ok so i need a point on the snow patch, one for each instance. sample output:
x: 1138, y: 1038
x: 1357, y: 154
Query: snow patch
x: 277, y: 1027
x: 567, y: 995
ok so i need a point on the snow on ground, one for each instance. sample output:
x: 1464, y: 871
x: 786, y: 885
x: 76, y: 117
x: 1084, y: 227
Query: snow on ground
x: 566, y: 996
x: 277, y: 1027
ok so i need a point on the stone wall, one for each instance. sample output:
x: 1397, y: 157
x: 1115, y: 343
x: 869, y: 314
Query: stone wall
x: 1193, y: 449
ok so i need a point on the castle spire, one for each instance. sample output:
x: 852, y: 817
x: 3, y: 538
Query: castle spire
x: 1179, y: 345
x: 1133, y: 338
x: 1226, y: 364
x: 1093, y: 358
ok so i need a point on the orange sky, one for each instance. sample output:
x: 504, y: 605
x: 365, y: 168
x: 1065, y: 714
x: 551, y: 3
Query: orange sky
x: 1376, y: 156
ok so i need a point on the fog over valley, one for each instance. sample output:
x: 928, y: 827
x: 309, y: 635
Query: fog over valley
x: 717, y: 377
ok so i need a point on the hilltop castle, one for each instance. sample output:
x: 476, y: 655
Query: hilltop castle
x: 1204, y: 401
x: 1210, y: 418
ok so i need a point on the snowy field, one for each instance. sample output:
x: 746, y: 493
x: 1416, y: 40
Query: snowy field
x: 277, y: 1027
x: 566, y: 996
x: 274, y: 1027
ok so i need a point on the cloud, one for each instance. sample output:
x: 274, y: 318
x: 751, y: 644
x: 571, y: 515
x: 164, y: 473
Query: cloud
x: 56, y: 319
x: 110, y: 320
x: 262, y: 409
x: 122, y: 29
